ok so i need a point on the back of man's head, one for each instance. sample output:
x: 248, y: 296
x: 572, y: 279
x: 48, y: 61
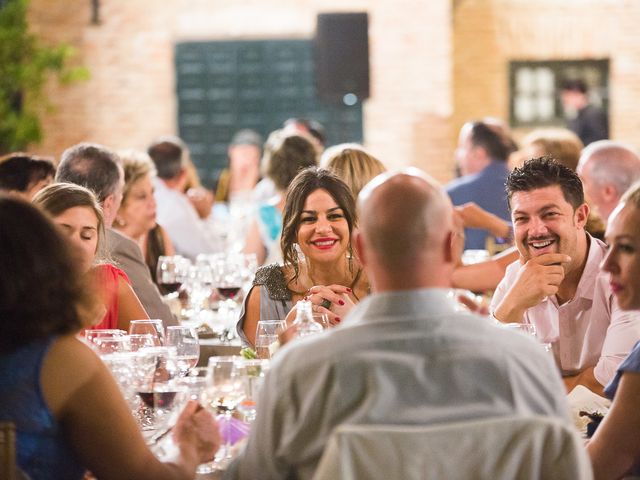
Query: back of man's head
x: 574, y: 85
x: 607, y: 162
x: 492, y: 139
x: 545, y: 172
x: 92, y: 166
x: 167, y: 155
x: 405, y: 219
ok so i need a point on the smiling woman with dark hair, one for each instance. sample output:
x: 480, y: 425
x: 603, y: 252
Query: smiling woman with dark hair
x: 68, y: 411
x: 318, y: 220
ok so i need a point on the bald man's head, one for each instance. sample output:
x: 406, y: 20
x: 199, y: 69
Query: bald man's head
x: 404, y: 216
x: 607, y: 169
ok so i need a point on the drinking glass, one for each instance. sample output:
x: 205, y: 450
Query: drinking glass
x: 185, y: 340
x: 527, y: 328
x: 171, y: 272
x: 253, y: 376
x: 141, y: 340
x: 91, y: 334
x: 223, y: 394
x: 322, y: 319
x: 267, y: 333
x: 108, y: 345
x: 150, y: 327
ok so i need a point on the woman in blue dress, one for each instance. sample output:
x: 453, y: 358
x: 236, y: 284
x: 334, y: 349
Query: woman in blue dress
x: 615, y: 447
x: 68, y: 411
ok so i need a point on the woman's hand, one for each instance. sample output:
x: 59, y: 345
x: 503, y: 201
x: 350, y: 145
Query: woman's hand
x: 196, y: 433
x: 332, y: 300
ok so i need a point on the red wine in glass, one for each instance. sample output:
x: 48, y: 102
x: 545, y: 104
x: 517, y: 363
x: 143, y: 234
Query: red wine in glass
x: 171, y: 287
x: 228, y: 293
x: 157, y: 399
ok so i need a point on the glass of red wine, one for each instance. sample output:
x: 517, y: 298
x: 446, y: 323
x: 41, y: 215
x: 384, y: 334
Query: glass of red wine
x: 171, y: 273
x: 229, y: 281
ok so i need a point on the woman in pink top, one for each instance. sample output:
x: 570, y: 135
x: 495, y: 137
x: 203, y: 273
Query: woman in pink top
x: 75, y: 210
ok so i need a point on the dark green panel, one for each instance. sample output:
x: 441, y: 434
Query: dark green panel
x: 223, y: 87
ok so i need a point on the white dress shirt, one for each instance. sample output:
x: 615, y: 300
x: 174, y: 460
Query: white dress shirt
x: 189, y: 234
x: 404, y: 358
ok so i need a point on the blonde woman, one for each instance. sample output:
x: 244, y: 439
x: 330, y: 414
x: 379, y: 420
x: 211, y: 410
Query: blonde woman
x: 352, y: 164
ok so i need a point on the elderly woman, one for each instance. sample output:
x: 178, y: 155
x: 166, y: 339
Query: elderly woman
x: 284, y: 156
x: 615, y: 447
x: 67, y: 409
x: 319, y: 264
x: 136, y: 217
x: 77, y: 212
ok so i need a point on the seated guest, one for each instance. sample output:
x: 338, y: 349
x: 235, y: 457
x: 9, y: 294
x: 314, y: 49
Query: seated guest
x: 76, y: 211
x: 243, y: 172
x: 615, y: 447
x: 189, y: 233
x: 99, y: 169
x: 352, y: 164
x: 319, y: 217
x: 284, y: 157
x: 607, y: 170
x: 482, y: 158
x: 68, y: 411
x: 25, y: 175
x: 404, y: 356
x: 556, y: 284
x: 136, y: 217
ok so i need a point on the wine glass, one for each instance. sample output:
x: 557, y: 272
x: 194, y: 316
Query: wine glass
x: 161, y: 394
x: 150, y: 327
x: 185, y: 340
x: 322, y: 319
x: 267, y: 333
x: 253, y: 376
x: 223, y: 394
x: 91, y: 334
x: 141, y: 340
x: 171, y: 272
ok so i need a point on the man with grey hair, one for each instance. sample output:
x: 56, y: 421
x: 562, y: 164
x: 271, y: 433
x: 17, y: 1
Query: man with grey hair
x: 607, y: 170
x: 190, y: 235
x: 403, y: 355
x: 99, y: 169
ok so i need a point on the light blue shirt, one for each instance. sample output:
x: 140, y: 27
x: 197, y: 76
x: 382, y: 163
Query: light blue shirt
x: 398, y: 358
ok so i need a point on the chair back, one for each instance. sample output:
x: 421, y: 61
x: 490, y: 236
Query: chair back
x: 7, y: 450
x: 493, y: 449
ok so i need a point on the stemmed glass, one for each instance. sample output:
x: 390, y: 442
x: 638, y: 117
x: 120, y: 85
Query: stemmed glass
x: 267, y: 333
x: 223, y: 394
x: 185, y: 340
x: 171, y: 272
x: 149, y: 327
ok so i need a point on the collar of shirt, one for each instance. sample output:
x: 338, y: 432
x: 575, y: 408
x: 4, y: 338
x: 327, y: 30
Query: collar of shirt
x: 418, y: 303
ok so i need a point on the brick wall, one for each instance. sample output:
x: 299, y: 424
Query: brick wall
x: 131, y: 95
x: 487, y: 34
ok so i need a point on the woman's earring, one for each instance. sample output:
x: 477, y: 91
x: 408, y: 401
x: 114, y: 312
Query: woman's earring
x: 119, y: 222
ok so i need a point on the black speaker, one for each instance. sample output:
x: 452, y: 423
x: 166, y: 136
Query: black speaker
x: 342, y: 56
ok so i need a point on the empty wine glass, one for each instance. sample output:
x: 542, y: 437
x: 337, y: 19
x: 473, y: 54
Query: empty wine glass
x: 141, y: 340
x: 223, y: 394
x: 267, y: 333
x: 150, y: 327
x: 185, y: 340
x: 91, y: 334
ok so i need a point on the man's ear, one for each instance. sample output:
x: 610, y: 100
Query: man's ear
x: 581, y: 215
x: 359, y: 247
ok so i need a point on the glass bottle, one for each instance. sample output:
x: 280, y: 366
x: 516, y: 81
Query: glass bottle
x: 304, y: 322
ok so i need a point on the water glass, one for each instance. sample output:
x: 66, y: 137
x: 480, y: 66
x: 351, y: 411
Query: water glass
x: 150, y: 327
x: 185, y: 340
x: 267, y: 333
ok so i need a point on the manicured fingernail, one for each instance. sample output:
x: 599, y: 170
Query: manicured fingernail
x: 338, y: 319
x: 341, y: 302
x: 348, y: 289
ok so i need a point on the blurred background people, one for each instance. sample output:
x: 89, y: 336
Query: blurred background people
x: 136, y: 217
x: 76, y: 211
x: 318, y: 220
x: 352, y: 164
x: 69, y: 413
x: 243, y: 173
x: 188, y: 232
x: 607, y: 169
x: 25, y: 175
x: 586, y: 120
x: 482, y: 156
x: 285, y: 156
x: 100, y: 170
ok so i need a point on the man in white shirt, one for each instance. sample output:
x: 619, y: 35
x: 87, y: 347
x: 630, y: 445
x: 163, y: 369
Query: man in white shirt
x: 403, y: 355
x: 190, y: 235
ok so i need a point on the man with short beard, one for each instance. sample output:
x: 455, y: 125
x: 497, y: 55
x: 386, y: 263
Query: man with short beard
x: 557, y: 285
